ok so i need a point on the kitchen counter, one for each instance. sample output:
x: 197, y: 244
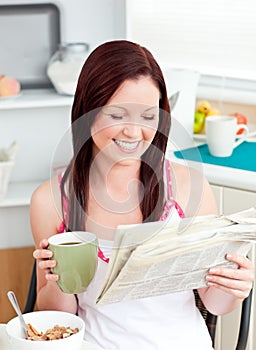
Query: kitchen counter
x: 219, y: 175
x: 229, y: 177
x: 223, y: 176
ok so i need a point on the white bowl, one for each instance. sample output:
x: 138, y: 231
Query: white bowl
x: 43, y: 320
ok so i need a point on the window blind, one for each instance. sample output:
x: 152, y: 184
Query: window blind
x: 215, y: 37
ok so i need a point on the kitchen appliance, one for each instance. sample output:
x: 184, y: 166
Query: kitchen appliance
x: 29, y: 35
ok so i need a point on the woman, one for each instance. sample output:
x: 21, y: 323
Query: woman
x: 119, y: 175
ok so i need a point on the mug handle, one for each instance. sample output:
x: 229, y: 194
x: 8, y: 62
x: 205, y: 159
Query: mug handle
x: 242, y: 137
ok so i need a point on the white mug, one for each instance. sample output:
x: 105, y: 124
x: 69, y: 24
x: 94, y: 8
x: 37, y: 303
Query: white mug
x: 221, y: 134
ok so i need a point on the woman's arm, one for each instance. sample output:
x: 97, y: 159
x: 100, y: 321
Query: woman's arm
x: 45, y: 217
x: 227, y: 287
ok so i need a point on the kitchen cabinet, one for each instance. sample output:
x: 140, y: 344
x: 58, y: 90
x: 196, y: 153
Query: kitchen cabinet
x: 235, y: 200
x: 218, y: 194
x: 231, y: 200
x: 16, y: 268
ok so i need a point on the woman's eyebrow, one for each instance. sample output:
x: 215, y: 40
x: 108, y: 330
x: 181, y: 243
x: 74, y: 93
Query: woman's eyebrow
x: 110, y: 107
x: 120, y: 108
x: 155, y: 108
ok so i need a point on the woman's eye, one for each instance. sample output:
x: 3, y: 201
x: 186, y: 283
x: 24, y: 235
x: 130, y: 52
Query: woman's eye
x: 149, y: 117
x: 116, y: 116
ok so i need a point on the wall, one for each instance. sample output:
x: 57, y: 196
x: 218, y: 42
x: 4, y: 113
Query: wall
x: 38, y: 133
x: 231, y: 107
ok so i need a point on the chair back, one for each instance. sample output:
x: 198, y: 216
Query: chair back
x: 31, y: 297
x: 210, y: 319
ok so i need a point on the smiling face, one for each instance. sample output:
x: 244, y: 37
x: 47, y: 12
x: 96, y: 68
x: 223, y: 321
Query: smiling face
x: 126, y: 126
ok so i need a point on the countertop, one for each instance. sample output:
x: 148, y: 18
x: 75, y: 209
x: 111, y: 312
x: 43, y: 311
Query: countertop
x: 223, y: 176
x: 219, y: 175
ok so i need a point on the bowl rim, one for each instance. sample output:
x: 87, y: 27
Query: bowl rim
x: 81, y: 328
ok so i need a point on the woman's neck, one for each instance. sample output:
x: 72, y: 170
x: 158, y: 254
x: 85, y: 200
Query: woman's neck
x: 119, y: 180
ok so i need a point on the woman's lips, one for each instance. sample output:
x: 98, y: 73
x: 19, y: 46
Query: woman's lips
x: 127, y: 146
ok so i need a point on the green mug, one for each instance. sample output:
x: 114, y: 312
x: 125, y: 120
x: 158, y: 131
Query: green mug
x: 76, y: 255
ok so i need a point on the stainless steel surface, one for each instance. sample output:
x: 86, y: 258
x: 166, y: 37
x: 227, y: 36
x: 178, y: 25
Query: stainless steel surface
x: 29, y: 35
x: 15, y: 305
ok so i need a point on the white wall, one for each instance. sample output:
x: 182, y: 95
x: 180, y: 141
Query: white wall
x: 39, y: 133
x: 91, y: 21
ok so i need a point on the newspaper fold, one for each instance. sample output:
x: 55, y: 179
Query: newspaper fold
x: 157, y: 258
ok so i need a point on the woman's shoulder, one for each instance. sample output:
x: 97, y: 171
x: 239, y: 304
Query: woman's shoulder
x: 45, y: 202
x: 183, y: 175
x: 45, y: 210
x: 43, y: 192
x: 191, y: 190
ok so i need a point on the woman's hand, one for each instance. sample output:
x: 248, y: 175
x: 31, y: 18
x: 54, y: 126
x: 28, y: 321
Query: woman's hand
x: 237, y: 282
x: 44, y: 263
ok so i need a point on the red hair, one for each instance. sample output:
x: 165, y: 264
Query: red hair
x: 107, y: 67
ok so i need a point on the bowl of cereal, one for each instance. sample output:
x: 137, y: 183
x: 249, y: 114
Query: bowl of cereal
x: 47, y: 330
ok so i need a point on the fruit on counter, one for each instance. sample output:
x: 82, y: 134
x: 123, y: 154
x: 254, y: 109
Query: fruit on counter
x: 203, y: 110
x: 203, y: 107
x: 199, y: 120
x: 213, y: 112
x: 241, y: 119
x: 9, y: 86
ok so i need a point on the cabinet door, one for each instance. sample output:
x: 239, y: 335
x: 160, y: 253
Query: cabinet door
x: 218, y: 194
x: 235, y: 200
x: 16, y: 268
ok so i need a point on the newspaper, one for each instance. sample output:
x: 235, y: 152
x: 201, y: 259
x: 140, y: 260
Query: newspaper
x: 158, y: 258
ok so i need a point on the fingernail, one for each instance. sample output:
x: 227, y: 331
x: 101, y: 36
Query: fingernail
x: 210, y: 284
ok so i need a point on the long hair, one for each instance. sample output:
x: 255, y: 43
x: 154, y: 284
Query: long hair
x: 106, y: 68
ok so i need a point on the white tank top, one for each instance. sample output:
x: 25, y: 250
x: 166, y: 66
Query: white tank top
x: 164, y: 322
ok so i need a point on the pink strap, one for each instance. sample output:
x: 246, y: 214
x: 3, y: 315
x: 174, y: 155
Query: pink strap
x: 170, y: 201
x: 179, y: 210
x: 168, y: 178
x: 102, y: 256
x: 61, y: 228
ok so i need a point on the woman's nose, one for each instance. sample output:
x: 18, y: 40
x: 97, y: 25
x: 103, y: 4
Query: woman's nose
x: 132, y: 130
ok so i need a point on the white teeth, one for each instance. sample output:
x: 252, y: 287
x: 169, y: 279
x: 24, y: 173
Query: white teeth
x: 129, y: 146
